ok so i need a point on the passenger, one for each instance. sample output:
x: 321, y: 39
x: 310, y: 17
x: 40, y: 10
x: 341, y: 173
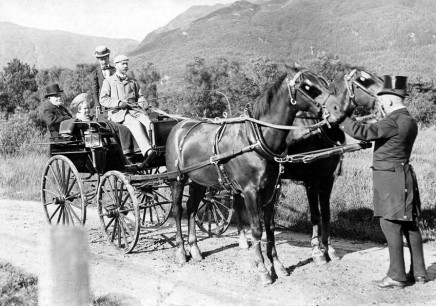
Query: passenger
x: 123, y: 95
x: 54, y: 112
x: 82, y: 105
x: 396, y: 194
x: 103, y: 71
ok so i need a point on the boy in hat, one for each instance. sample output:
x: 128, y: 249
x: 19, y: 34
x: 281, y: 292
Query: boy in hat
x: 104, y: 70
x: 122, y: 94
x: 396, y: 194
x: 54, y: 112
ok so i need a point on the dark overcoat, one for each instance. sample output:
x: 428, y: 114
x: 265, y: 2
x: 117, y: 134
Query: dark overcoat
x: 396, y: 194
x: 97, y: 79
x: 53, y: 116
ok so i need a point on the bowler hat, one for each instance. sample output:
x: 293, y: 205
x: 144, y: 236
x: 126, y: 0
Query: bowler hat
x: 52, y: 90
x: 80, y: 98
x: 394, y: 85
x: 120, y: 58
x: 101, y: 51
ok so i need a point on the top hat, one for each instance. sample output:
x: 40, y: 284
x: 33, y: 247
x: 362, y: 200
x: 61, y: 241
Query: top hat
x: 80, y: 98
x: 394, y: 85
x: 101, y: 51
x: 121, y: 58
x: 52, y: 90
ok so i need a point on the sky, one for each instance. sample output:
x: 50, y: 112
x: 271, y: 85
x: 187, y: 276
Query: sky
x: 106, y: 18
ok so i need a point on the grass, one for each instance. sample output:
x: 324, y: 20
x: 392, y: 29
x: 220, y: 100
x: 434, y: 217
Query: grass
x: 20, y: 288
x: 351, y: 199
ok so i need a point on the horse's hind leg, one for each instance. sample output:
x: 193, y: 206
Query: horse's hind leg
x: 271, y: 250
x: 318, y: 255
x: 196, y: 194
x: 238, y: 206
x: 324, y: 201
x: 177, y: 194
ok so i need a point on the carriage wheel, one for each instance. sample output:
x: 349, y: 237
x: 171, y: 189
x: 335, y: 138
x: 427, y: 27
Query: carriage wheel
x: 118, y: 211
x: 155, y: 205
x: 215, y: 212
x: 62, y: 193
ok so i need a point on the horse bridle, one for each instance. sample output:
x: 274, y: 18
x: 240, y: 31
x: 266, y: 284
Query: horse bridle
x: 349, y: 83
x: 292, y: 89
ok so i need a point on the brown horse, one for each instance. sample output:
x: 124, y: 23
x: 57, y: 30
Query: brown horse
x: 359, y: 88
x: 248, y: 154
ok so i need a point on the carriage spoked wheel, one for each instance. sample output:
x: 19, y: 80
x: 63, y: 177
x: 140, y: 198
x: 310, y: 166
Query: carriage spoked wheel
x: 215, y: 212
x: 118, y: 210
x: 155, y: 205
x: 62, y: 193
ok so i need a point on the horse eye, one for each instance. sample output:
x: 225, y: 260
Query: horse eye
x: 362, y: 79
x: 307, y: 88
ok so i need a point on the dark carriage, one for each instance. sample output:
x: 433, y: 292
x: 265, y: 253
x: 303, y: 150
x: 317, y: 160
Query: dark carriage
x: 90, y: 166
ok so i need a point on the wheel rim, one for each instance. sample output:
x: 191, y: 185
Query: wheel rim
x: 215, y: 212
x: 155, y: 206
x: 62, y: 193
x: 118, y: 211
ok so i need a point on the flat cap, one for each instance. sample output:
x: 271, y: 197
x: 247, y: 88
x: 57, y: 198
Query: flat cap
x: 120, y: 58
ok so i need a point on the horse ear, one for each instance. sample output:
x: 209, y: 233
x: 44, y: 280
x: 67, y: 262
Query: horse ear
x: 296, y: 65
x: 294, y: 68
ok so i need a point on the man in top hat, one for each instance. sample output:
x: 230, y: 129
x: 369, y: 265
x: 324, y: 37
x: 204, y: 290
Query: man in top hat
x: 54, y: 112
x: 123, y: 96
x: 104, y: 70
x: 396, y: 194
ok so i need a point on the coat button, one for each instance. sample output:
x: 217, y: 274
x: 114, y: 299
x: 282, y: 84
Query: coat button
x: 405, y: 217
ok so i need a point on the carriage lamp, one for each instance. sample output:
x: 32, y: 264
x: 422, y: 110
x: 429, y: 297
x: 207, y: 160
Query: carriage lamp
x: 93, y: 140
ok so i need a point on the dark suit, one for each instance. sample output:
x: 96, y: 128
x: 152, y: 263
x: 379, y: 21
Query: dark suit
x: 97, y: 79
x: 53, y: 116
x: 396, y: 194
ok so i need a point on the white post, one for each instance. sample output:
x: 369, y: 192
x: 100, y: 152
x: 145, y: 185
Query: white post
x: 63, y: 277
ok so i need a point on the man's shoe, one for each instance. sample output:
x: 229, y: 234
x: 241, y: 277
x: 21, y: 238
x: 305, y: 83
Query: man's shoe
x: 420, y: 279
x: 388, y: 282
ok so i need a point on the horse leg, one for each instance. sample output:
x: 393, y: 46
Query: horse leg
x: 318, y: 256
x: 251, y: 204
x: 196, y: 194
x: 271, y: 250
x: 324, y: 200
x: 177, y: 194
x: 243, y: 242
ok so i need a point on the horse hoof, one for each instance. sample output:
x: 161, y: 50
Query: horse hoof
x: 333, y: 256
x: 319, y: 260
x: 196, y: 254
x: 265, y: 279
x: 181, y: 258
x: 243, y: 244
x: 281, y: 271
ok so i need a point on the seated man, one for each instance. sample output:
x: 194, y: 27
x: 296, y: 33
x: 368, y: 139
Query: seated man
x: 122, y: 94
x: 81, y: 106
x: 54, y: 112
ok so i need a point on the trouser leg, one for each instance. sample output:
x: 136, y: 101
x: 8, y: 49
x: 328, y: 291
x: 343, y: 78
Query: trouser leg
x: 414, y: 241
x: 138, y: 132
x: 393, y: 233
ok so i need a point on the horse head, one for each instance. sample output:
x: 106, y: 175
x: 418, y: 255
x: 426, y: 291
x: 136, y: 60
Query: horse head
x: 357, y: 87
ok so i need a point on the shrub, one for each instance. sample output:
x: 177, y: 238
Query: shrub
x: 19, y: 134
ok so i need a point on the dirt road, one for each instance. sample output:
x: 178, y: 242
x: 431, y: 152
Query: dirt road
x: 150, y: 276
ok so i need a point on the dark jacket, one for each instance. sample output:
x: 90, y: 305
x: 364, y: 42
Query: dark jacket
x: 53, y: 116
x: 97, y: 79
x: 396, y: 194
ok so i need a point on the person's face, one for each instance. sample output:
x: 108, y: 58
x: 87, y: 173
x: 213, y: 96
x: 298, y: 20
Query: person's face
x: 84, y: 109
x: 104, y: 61
x: 122, y: 67
x: 55, y: 99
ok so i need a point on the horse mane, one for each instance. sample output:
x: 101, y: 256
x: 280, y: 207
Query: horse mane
x: 262, y: 103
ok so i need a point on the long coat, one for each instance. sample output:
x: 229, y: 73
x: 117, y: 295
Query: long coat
x: 53, y: 116
x: 97, y: 79
x: 396, y: 194
x: 114, y: 91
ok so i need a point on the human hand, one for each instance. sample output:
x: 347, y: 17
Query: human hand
x: 124, y: 105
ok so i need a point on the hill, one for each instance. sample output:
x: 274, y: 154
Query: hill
x: 391, y: 36
x: 46, y: 49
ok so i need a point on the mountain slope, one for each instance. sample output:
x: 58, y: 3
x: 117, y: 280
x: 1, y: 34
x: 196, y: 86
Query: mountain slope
x: 45, y: 49
x: 391, y: 36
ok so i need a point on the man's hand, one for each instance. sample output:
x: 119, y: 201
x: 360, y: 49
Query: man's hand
x: 124, y: 105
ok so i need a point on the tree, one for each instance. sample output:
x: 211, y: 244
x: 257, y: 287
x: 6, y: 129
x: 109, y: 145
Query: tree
x: 148, y: 77
x: 17, y: 84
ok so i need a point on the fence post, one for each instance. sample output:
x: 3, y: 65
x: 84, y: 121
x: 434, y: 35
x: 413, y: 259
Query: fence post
x: 63, y: 277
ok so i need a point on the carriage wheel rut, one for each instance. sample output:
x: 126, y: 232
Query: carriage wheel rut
x: 151, y: 276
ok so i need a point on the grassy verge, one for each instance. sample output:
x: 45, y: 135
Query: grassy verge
x: 351, y: 199
x: 20, y: 288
